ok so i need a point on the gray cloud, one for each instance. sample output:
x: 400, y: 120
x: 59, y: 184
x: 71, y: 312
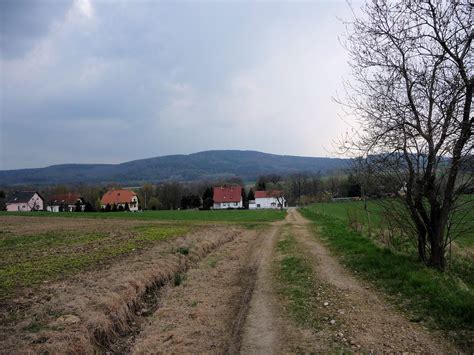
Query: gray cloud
x: 107, y: 82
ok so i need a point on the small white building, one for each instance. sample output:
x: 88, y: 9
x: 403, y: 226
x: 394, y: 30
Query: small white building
x: 268, y: 199
x: 24, y: 201
x: 65, y: 203
x: 227, y: 197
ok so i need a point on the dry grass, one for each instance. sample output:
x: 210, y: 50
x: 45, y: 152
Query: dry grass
x: 102, y: 303
x: 198, y: 316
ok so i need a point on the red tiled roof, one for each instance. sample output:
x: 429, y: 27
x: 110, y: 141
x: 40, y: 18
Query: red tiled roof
x: 68, y: 199
x: 267, y: 194
x: 117, y: 196
x: 227, y: 194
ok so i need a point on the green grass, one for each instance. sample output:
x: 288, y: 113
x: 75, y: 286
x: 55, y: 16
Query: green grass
x: 342, y: 210
x: 175, y: 215
x: 28, y: 260
x: 296, y: 283
x: 430, y: 295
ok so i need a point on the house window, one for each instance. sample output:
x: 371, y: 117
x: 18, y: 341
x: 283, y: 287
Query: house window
x: 258, y: 205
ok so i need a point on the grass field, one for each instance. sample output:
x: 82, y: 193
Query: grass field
x: 443, y: 299
x: 342, y: 210
x: 176, y: 215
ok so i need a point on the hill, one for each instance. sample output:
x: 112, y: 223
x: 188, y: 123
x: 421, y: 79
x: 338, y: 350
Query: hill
x: 193, y: 167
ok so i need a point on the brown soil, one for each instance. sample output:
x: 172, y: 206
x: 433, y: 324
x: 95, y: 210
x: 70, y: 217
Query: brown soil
x: 92, y: 309
x: 204, y: 313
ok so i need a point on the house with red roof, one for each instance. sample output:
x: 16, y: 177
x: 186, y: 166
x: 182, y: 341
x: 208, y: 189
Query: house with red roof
x: 120, y: 198
x: 268, y: 199
x: 65, y: 202
x: 227, y: 197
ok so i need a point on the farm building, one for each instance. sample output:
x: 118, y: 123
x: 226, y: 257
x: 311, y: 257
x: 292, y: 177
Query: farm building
x: 65, y: 202
x: 227, y: 197
x: 24, y: 201
x: 268, y: 199
x: 121, y: 198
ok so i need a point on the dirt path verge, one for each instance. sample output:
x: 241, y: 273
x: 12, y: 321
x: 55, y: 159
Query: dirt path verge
x: 92, y: 309
x: 361, y: 318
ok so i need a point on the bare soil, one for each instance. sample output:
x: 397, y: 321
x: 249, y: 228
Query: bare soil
x: 204, y: 313
x: 91, y: 309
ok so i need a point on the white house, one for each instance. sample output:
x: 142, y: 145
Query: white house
x: 268, y: 199
x: 227, y: 197
x: 24, y: 201
x: 65, y: 202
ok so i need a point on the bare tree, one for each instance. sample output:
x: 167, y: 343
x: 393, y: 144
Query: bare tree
x: 412, y: 92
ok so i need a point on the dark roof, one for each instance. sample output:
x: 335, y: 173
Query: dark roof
x: 21, y: 196
x: 68, y: 199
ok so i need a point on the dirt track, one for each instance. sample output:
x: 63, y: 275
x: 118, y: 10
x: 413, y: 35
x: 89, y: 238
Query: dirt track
x: 225, y: 302
x: 232, y: 307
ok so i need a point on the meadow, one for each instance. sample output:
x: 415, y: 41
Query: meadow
x: 343, y: 211
x: 167, y: 215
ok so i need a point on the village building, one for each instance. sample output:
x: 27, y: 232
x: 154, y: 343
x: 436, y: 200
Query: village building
x: 66, y: 203
x: 268, y: 199
x: 120, y: 198
x: 24, y: 201
x: 227, y: 197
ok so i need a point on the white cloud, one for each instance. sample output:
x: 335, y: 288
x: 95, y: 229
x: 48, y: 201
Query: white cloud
x: 84, y: 7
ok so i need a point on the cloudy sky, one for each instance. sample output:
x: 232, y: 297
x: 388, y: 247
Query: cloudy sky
x: 105, y: 82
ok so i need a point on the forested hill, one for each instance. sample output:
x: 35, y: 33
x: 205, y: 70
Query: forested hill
x: 198, y: 166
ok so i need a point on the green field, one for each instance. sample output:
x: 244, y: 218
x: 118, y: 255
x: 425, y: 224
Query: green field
x: 27, y: 260
x: 342, y: 211
x: 30, y: 258
x: 176, y: 215
x: 443, y: 300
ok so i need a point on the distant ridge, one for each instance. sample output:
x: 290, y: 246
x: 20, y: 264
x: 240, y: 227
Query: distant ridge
x: 213, y: 164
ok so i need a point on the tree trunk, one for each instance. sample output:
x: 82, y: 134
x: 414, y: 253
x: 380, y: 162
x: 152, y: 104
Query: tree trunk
x: 437, y: 258
x: 436, y: 236
x: 422, y: 244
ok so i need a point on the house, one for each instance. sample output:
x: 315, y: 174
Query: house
x: 268, y: 199
x: 227, y: 197
x: 65, y: 202
x: 24, y: 201
x: 120, y: 198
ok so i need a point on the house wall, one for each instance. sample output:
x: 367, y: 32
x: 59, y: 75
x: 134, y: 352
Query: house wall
x: 267, y: 202
x: 36, y: 202
x: 133, y: 204
x: 225, y: 205
x: 68, y: 208
x: 15, y: 207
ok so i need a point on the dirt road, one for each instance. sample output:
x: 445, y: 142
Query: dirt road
x: 232, y: 306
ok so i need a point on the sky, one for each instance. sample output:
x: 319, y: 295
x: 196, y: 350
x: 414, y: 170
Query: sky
x: 84, y: 81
